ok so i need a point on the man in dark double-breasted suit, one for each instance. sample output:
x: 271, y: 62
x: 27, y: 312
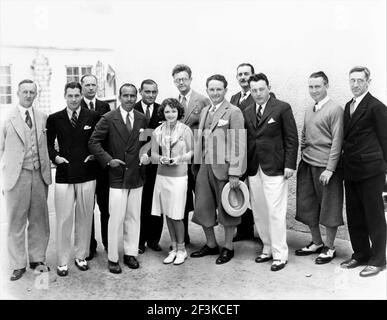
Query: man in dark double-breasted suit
x: 151, y: 226
x: 89, y: 89
x: 364, y: 159
x: 75, y: 177
x: 121, y: 129
x: 272, y: 144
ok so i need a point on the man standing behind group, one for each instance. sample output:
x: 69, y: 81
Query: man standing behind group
x: 121, y: 129
x: 319, y: 183
x: 364, y: 166
x: 221, y: 151
x: 26, y: 173
x: 272, y: 144
x: 89, y: 101
x: 242, y: 99
x: 193, y: 104
x: 75, y: 177
x: 151, y: 226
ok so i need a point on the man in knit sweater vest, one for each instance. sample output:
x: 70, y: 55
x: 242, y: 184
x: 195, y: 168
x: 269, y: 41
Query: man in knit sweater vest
x: 319, y: 182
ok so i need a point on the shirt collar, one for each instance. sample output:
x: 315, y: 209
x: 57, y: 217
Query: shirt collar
x: 360, y: 98
x: 70, y: 112
x: 263, y: 106
x: 144, y: 106
x: 22, y: 111
x: 187, y: 96
x: 124, y: 113
x: 320, y: 104
x: 217, y: 105
x: 247, y: 94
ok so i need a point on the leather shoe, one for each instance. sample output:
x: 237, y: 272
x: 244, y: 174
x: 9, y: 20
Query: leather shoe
x: 62, y: 271
x: 311, y: 248
x: 154, y: 246
x: 141, y: 248
x: 351, y: 263
x: 205, y: 251
x: 225, y: 256
x: 114, y: 267
x: 81, y: 264
x: 326, y: 256
x: 263, y: 258
x: 241, y: 237
x: 278, y: 265
x: 42, y: 267
x: 92, y: 254
x: 131, y: 262
x: 369, y: 271
x: 17, y: 274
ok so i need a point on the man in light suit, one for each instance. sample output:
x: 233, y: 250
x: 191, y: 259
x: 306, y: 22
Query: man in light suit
x: 89, y: 90
x: 26, y: 175
x: 121, y: 129
x: 220, y: 148
x: 272, y: 144
x: 364, y: 160
x: 242, y: 99
x: 75, y: 177
x: 151, y: 226
x: 319, y: 178
x: 193, y: 103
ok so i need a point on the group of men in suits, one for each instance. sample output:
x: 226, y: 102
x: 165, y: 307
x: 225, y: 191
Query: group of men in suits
x: 101, y: 152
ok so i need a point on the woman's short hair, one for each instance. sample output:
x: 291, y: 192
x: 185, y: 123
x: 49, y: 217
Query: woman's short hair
x: 174, y: 104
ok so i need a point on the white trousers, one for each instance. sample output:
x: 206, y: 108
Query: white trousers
x: 65, y: 196
x: 125, y: 211
x: 269, y: 200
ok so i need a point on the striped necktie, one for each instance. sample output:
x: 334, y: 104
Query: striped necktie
x: 74, y: 119
x: 91, y: 105
x: 259, y: 114
x: 28, y: 119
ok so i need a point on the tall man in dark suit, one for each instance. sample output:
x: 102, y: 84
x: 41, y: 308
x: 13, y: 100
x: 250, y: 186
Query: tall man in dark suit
x: 219, y: 157
x: 121, y: 129
x: 364, y: 159
x: 242, y: 99
x: 89, y: 101
x: 272, y: 144
x: 193, y: 103
x: 75, y: 176
x: 151, y: 226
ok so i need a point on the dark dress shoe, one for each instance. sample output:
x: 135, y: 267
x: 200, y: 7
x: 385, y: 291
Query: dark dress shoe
x: 17, y: 274
x: 154, y: 246
x: 131, y: 262
x: 114, y: 267
x: 351, y: 263
x: 225, y: 256
x: 41, y: 266
x: 311, y: 248
x: 92, y: 254
x: 205, y: 251
x: 277, y: 267
x: 369, y: 271
x: 141, y: 248
x: 325, y: 256
x: 241, y: 237
x: 263, y: 258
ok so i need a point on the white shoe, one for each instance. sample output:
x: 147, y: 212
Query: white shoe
x: 171, y: 257
x: 180, y: 257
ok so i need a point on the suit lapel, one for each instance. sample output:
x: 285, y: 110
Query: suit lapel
x: 38, y: 124
x: 119, y: 123
x: 190, y: 106
x: 358, y: 113
x: 219, y: 114
x: 18, y: 124
x: 252, y: 117
x: 268, y: 111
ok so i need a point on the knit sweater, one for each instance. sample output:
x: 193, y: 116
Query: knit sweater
x: 322, y: 136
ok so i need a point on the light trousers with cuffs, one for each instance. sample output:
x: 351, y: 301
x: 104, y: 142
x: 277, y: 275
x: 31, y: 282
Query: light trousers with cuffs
x: 27, y: 202
x: 125, y: 212
x: 269, y: 199
x: 66, y: 196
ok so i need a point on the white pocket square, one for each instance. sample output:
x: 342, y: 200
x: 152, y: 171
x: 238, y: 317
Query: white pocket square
x: 86, y: 127
x: 222, y: 123
x: 271, y: 120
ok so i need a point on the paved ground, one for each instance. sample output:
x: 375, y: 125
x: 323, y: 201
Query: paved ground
x: 241, y: 278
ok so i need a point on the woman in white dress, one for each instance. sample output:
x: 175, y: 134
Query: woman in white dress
x: 172, y: 143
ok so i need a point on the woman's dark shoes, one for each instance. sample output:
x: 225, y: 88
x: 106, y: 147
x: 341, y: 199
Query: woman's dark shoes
x: 17, y: 274
x: 225, y: 256
x: 205, y: 251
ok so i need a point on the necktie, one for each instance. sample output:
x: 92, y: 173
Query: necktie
x: 147, y: 113
x: 184, y: 102
x: 259, y: 114
x: 74, y: 119
x: 211, y: 114
x: 352, y: 107
x: 28, y: 119
x: 91, y: 105
x: 315, y: 107
x: 244, y: 95
x: 128, y: 123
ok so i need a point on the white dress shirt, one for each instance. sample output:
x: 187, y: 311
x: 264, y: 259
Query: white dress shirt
x: 358, y: 100
x: 88, y: 102
x: 70, y: 112
x: 320, y: 104
x: 124, y: 114
x: 23, y: 110
x: 145, y: 106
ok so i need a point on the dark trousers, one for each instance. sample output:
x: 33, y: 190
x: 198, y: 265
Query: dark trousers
x: 189, y: 204
x: 151, y: 227
x: 246, y: 227
x: 102, y: 193
x: 366, y: 219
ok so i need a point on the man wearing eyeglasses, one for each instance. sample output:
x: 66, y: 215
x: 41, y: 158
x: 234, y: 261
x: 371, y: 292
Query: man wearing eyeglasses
x: 193, y: 103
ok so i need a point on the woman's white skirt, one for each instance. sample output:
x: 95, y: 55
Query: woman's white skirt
x: 169, y: 196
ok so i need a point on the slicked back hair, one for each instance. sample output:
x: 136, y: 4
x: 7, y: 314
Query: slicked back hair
x: 257, y: 77
x: 72, y: 85
x: 148, y: 81
x: 127, y: 85
x: 366, y: 71
x: 245, y: 64
x: 320, y: 74
x: 218, y: 77
x: 182, y: 67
